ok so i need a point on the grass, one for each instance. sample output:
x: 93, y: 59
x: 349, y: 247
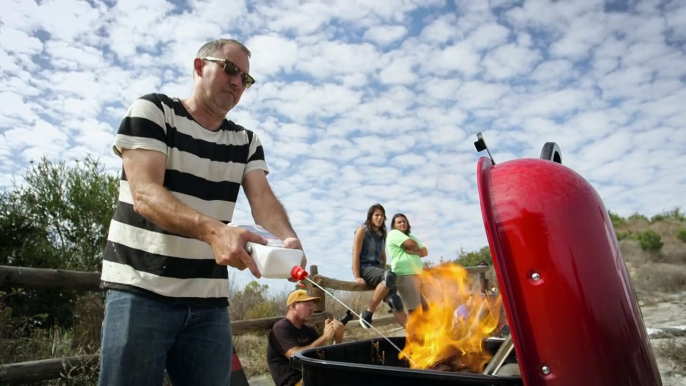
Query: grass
x: 675, y: 351
x: 252, y: 352
x: 660, y: 277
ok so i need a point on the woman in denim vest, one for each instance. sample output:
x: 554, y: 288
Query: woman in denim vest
x: 369, y: 266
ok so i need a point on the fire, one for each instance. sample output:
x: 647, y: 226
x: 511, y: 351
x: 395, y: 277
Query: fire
x: 458, y: 318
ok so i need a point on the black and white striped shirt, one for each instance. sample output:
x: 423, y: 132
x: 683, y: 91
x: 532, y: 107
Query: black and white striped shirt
x: 204, y: 171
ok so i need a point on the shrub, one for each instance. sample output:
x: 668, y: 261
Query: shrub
x: 471, y: 259
x: 638, y: 216
x: 616, y: 219
x: 243, y: 301
x: 657, y: 218
x: 623, y: 235
x: 681, y: 235
x: 650, y: 241
x: 264, y: 309
x: 674, y: 214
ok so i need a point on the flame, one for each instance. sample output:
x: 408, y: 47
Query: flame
x: 451, y: 330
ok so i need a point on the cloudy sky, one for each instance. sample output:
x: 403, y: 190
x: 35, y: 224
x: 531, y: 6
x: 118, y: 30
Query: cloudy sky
x: 359, y: 102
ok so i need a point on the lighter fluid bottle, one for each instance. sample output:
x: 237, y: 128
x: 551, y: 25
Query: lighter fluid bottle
x: 272, y: 260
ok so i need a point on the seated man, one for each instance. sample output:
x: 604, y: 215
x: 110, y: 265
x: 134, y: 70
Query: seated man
x: 292, y: 334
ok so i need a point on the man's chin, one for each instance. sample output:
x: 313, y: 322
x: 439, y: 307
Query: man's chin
x: 226, y: 103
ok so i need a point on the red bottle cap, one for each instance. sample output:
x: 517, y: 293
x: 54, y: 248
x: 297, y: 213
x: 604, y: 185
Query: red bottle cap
x: 299, y: 273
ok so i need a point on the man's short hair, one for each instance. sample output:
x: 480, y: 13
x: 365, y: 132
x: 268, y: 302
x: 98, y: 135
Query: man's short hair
x: 213, y: 47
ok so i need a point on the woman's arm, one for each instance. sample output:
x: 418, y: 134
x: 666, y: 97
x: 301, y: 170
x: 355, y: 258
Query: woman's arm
x: 358, y: 240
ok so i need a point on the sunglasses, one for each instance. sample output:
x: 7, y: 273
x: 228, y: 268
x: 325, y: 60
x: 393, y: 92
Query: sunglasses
x: 231, y: 70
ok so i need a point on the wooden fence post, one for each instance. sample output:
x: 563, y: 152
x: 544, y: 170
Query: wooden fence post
x: 316, y: 291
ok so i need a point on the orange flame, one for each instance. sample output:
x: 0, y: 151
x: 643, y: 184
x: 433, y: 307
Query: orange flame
x: 451, y: 330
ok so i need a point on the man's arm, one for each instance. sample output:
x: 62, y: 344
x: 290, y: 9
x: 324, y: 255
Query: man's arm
x: 145, y: 174
x: 330, y: 331
x: 411, y: 246
x: 268, y: 211
x: 321, y: 341
x: 266, y: 208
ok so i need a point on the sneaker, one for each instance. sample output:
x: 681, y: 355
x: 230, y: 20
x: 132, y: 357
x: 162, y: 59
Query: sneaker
x: 366, y: 320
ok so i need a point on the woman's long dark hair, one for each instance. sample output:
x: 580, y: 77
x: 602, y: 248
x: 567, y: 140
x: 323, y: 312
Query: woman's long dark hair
x: 370, y: 213
x: 407, y: 232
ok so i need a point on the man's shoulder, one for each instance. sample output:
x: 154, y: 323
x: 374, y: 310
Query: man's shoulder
x: 164, y: 103
x: 157, y: 98
x: 233, y: 126
x: 281, y: 324
x: 281, y: 321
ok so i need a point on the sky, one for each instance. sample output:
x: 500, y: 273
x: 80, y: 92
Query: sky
x: 363, y: 102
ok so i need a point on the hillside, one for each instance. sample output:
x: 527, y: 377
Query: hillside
x: 654, y: 251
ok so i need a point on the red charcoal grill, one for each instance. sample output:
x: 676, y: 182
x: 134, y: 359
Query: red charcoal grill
x: 570, y: 305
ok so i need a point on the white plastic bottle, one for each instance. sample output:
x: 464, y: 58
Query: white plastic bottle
x: 272, y: 260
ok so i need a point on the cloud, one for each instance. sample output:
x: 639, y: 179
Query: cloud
x: 459, y: 57
x: 13, y: 109
x: 327, y: 59
x: 272, y: 53
x: 18, y: 42
x: 384, y: 35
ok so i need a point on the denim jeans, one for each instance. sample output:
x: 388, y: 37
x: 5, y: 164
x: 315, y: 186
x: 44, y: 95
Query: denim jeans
x: 142, y: 336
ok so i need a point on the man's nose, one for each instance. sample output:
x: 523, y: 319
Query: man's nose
x: 236, y: 81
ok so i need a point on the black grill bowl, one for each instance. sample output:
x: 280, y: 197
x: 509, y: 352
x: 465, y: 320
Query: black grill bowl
x: 375, y: 362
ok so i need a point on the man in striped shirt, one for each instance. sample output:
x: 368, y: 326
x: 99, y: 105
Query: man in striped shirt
x: 168, y: 250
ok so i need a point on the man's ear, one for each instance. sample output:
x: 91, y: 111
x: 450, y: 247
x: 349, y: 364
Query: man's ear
x: 198, y: 66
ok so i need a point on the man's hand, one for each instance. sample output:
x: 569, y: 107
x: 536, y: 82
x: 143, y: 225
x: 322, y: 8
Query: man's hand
x: 360, y: 281
x: 330, y: 327
x: 294, y: 243
x: 339, y: 329
x: 228, y: 246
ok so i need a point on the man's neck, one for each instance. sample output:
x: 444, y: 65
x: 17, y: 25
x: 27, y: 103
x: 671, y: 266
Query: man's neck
x: 204, y: 116
x: 295, y: 321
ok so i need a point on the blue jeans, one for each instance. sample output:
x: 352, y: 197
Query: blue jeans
x: 142, y: 336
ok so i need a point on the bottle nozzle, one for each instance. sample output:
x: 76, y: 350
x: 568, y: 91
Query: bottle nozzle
x: 346, y: 318
x: 299, y: 273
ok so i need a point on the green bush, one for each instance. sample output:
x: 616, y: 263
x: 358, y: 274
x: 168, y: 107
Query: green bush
x: 681, y: 235
x: 650, y: 241
x: 264, y: 309
x: 674, y: 214
x: 616, y: 219
x: 658, y: 217
x: 471, y: 259
x: 638, y: 216
x: 623, y: 235
x: 57, y: 219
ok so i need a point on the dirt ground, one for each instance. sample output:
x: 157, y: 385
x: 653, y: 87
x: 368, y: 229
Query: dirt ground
x: 660, y: 312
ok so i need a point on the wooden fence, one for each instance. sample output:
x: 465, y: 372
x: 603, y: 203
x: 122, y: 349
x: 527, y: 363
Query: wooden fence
x: 54, y: 279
